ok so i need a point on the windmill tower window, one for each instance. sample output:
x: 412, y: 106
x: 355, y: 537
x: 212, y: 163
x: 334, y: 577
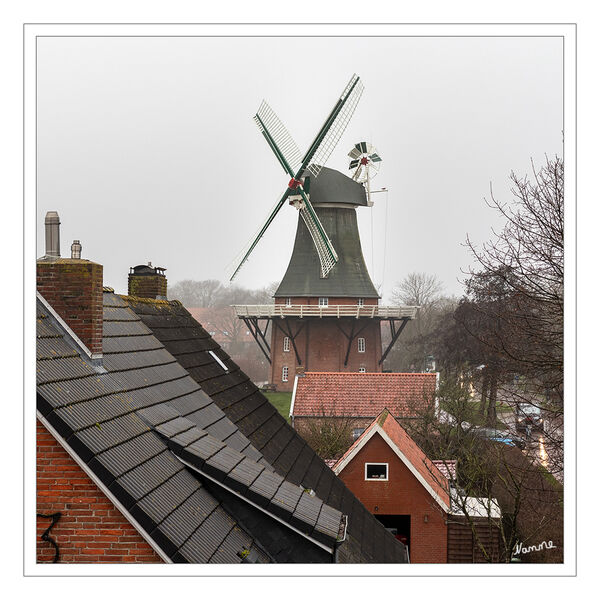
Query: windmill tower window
x: 323, y: 301
x: 361, y: 344
x: 288, y: 301
x: 286, y: 344
x: 360, y: 302
x: 284, y: 373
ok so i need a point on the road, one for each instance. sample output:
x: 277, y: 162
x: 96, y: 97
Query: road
x: 545, y: 445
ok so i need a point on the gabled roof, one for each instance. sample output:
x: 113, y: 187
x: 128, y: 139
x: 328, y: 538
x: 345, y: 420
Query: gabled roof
x: 362, y: 394
x: 427, y: 473
x: 280, y: 445
x: 153, y: 441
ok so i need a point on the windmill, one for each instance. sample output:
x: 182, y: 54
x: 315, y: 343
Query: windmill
x: 297, y: 166
x: 365, y: 161
x: 326, y: 319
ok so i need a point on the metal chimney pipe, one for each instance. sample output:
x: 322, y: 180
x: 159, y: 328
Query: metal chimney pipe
x: 52, y: 223
x: 76, y: 249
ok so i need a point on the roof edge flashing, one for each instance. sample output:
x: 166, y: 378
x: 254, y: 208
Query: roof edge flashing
x: 95, y: 358
x: 258, y: 507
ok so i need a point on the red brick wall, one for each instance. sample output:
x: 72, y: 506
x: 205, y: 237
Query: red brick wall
x: 147, y: 286
x: 402, y: 494
x: 91, y: 529
x: 315, y: 301
x: 73, y: 287
x: 322, y: 347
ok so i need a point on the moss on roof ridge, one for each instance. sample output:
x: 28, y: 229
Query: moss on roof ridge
x: 158, y: 301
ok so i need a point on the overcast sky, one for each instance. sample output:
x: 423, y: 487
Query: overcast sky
x: 148, y: 151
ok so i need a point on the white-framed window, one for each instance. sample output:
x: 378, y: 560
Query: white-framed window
x: 284, y: 373
x: 376, y: 471
x: 362, y: 369
x: 286, y: 344
x: 288, y: 301
x: 361, y: 344
x: 323, y: 301
x: 360, y: 302
x: 357, y: 432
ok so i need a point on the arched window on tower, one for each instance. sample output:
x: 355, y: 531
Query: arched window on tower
x: 286, y: 344
x: 361, y: 344
x: 284, y: 373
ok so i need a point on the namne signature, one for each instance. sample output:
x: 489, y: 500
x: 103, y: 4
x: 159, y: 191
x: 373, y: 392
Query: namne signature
x: 541, y: 546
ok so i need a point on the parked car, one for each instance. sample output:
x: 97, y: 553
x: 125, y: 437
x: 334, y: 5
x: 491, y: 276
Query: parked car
x: 529, y: 417
x: 502, y: 437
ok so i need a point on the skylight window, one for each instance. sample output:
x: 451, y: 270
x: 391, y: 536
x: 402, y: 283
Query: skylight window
x: 217, y: 359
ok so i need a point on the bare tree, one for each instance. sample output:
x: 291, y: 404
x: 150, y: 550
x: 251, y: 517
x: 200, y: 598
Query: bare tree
x: 210, y: 293
x: 418, y: 341
x: 196, y: 294
x: 518, y: 281
x: 494, y: 473
x: 327, y: 433
x: 417, y: 289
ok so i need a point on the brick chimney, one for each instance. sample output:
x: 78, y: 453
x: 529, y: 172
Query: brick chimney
x: 73, y: 288
x: 146, y: 281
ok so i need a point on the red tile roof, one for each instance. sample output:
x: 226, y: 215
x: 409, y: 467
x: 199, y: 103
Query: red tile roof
x: 362, y: 394
x: 447, y: 468
x: 423, y: 468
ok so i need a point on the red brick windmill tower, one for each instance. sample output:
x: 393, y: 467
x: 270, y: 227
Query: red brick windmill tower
x: 326, y: 315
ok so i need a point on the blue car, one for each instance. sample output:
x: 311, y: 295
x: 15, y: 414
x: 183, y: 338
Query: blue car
x: 502, y: 437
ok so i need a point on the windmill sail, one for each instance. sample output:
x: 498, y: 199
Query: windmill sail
x: 334, y: 126
x: 279, y: 138
x: 288, y: 155
x: 327, y: 255
x: 261, y: 232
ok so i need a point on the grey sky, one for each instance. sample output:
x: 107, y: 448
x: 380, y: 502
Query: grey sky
x: 148, y: 150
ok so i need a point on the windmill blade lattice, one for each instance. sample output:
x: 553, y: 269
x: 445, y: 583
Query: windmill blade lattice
x: 325, y: 250
x: 350, y: 96
x: 276, y: 133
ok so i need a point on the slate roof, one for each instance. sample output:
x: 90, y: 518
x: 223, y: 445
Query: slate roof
x: 280, y: 445
x: 362, y: 394
x: 410, y: 453
x: 153, y: 438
